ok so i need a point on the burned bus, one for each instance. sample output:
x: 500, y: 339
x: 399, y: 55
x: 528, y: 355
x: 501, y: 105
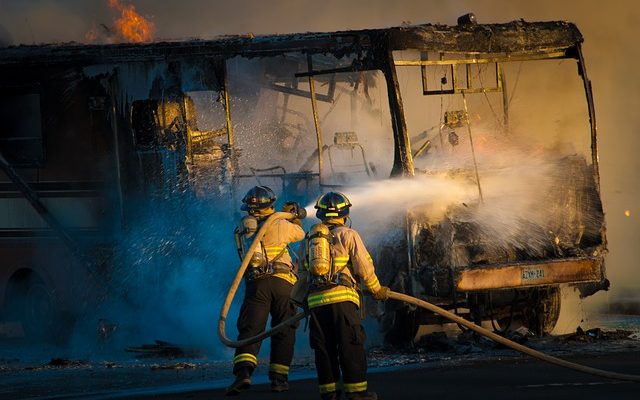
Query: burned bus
x: 93, y: 134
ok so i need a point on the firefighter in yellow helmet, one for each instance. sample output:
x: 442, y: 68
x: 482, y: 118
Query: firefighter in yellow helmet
x: 336, y: 258
x: 269, y: 279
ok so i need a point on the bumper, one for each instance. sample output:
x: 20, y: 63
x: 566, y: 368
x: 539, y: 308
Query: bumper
x: 575, y: 270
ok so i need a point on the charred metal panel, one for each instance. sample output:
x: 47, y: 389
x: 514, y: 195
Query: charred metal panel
x: 513, y: 37
x: 534, y: 274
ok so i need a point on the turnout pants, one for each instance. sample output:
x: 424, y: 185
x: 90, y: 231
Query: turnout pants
x: 337, y: 338
x: 264, y: 296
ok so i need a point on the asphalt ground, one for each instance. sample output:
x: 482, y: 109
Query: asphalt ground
x: 524, y: 378
x: 462, y: 368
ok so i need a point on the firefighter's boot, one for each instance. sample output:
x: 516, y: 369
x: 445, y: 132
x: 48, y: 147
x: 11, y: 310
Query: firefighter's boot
x: 242, y: 382
x: 331, y: 396
x: 362, y: 396
x: 279, y: 383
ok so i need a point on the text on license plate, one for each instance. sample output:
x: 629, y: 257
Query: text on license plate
x: 532, y: 273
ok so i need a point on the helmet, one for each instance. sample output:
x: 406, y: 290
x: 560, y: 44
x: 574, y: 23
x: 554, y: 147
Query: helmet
x: 332, y: 204
x: 257, y: 198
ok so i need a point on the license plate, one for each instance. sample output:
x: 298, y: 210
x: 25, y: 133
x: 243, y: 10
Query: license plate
x: 532, y: 273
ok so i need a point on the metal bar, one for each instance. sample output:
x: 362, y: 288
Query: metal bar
x: 189, y: 153
x: 40, y: 208
x: 316, y: 121
x: 402, y: 157
x: 592, y: 115
x: 297, y: 92
x: 285, y: 108
x: 460, y: 91
x: 57, y: 186
x: 116, y: 147
x: 505, y: 97
x: 288, y: 175
x: 227, y: 105
x: 422, y: 149
x: 364, y: 160
x: 441, y: 114
x: 53, y: 194
x: 454, y: 80
x: 352, y: 68
x: 331, y: 159
x: 473, y: 152
x: 530, y: 57
x: 423, y: 72
x: 332, y: 89
x: 530, y: 274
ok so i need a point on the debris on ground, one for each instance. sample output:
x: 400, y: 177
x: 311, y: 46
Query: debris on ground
x: 176, y: 366
x: 520, y: 336
x: 595, y: 334
x: 436, y: 341
x: 109, y: 364
x: 634, y: 336
x: 617, y: 334
x: 470, y: 338
x: 62, y: 363
x: 382, y: 357
x: 162, y: 349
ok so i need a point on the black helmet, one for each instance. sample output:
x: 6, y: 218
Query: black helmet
x: 332, y: 204
x: 257, y: 198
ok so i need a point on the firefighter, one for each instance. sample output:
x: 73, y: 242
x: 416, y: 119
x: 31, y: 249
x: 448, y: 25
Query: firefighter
x: 336, y: 258
x: 269, y: 279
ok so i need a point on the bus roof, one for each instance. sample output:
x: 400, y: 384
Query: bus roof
x: 515, y: 37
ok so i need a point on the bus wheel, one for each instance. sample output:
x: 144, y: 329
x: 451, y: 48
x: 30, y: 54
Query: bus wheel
x: 400, y: 326
x: 538, y: 312
x: 543, y: 310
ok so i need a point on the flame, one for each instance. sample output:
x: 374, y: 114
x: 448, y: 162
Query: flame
x: 627, y: 213
x: 131, y: 26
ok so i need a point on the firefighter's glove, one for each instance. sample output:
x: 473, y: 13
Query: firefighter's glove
x: 382, y: 294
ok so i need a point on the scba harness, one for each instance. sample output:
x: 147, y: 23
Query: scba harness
x: 264, y: 261
x: 325, y: 268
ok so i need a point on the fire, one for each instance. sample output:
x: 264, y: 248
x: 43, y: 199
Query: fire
x: 627, y: 213
x: 131, y: 26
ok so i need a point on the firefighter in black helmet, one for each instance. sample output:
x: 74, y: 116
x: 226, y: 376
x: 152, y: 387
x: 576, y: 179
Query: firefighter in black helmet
x: 336, y: 334
x: 269, y: 278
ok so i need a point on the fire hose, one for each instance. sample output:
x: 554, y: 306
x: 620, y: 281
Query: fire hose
x: 400, y: 297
